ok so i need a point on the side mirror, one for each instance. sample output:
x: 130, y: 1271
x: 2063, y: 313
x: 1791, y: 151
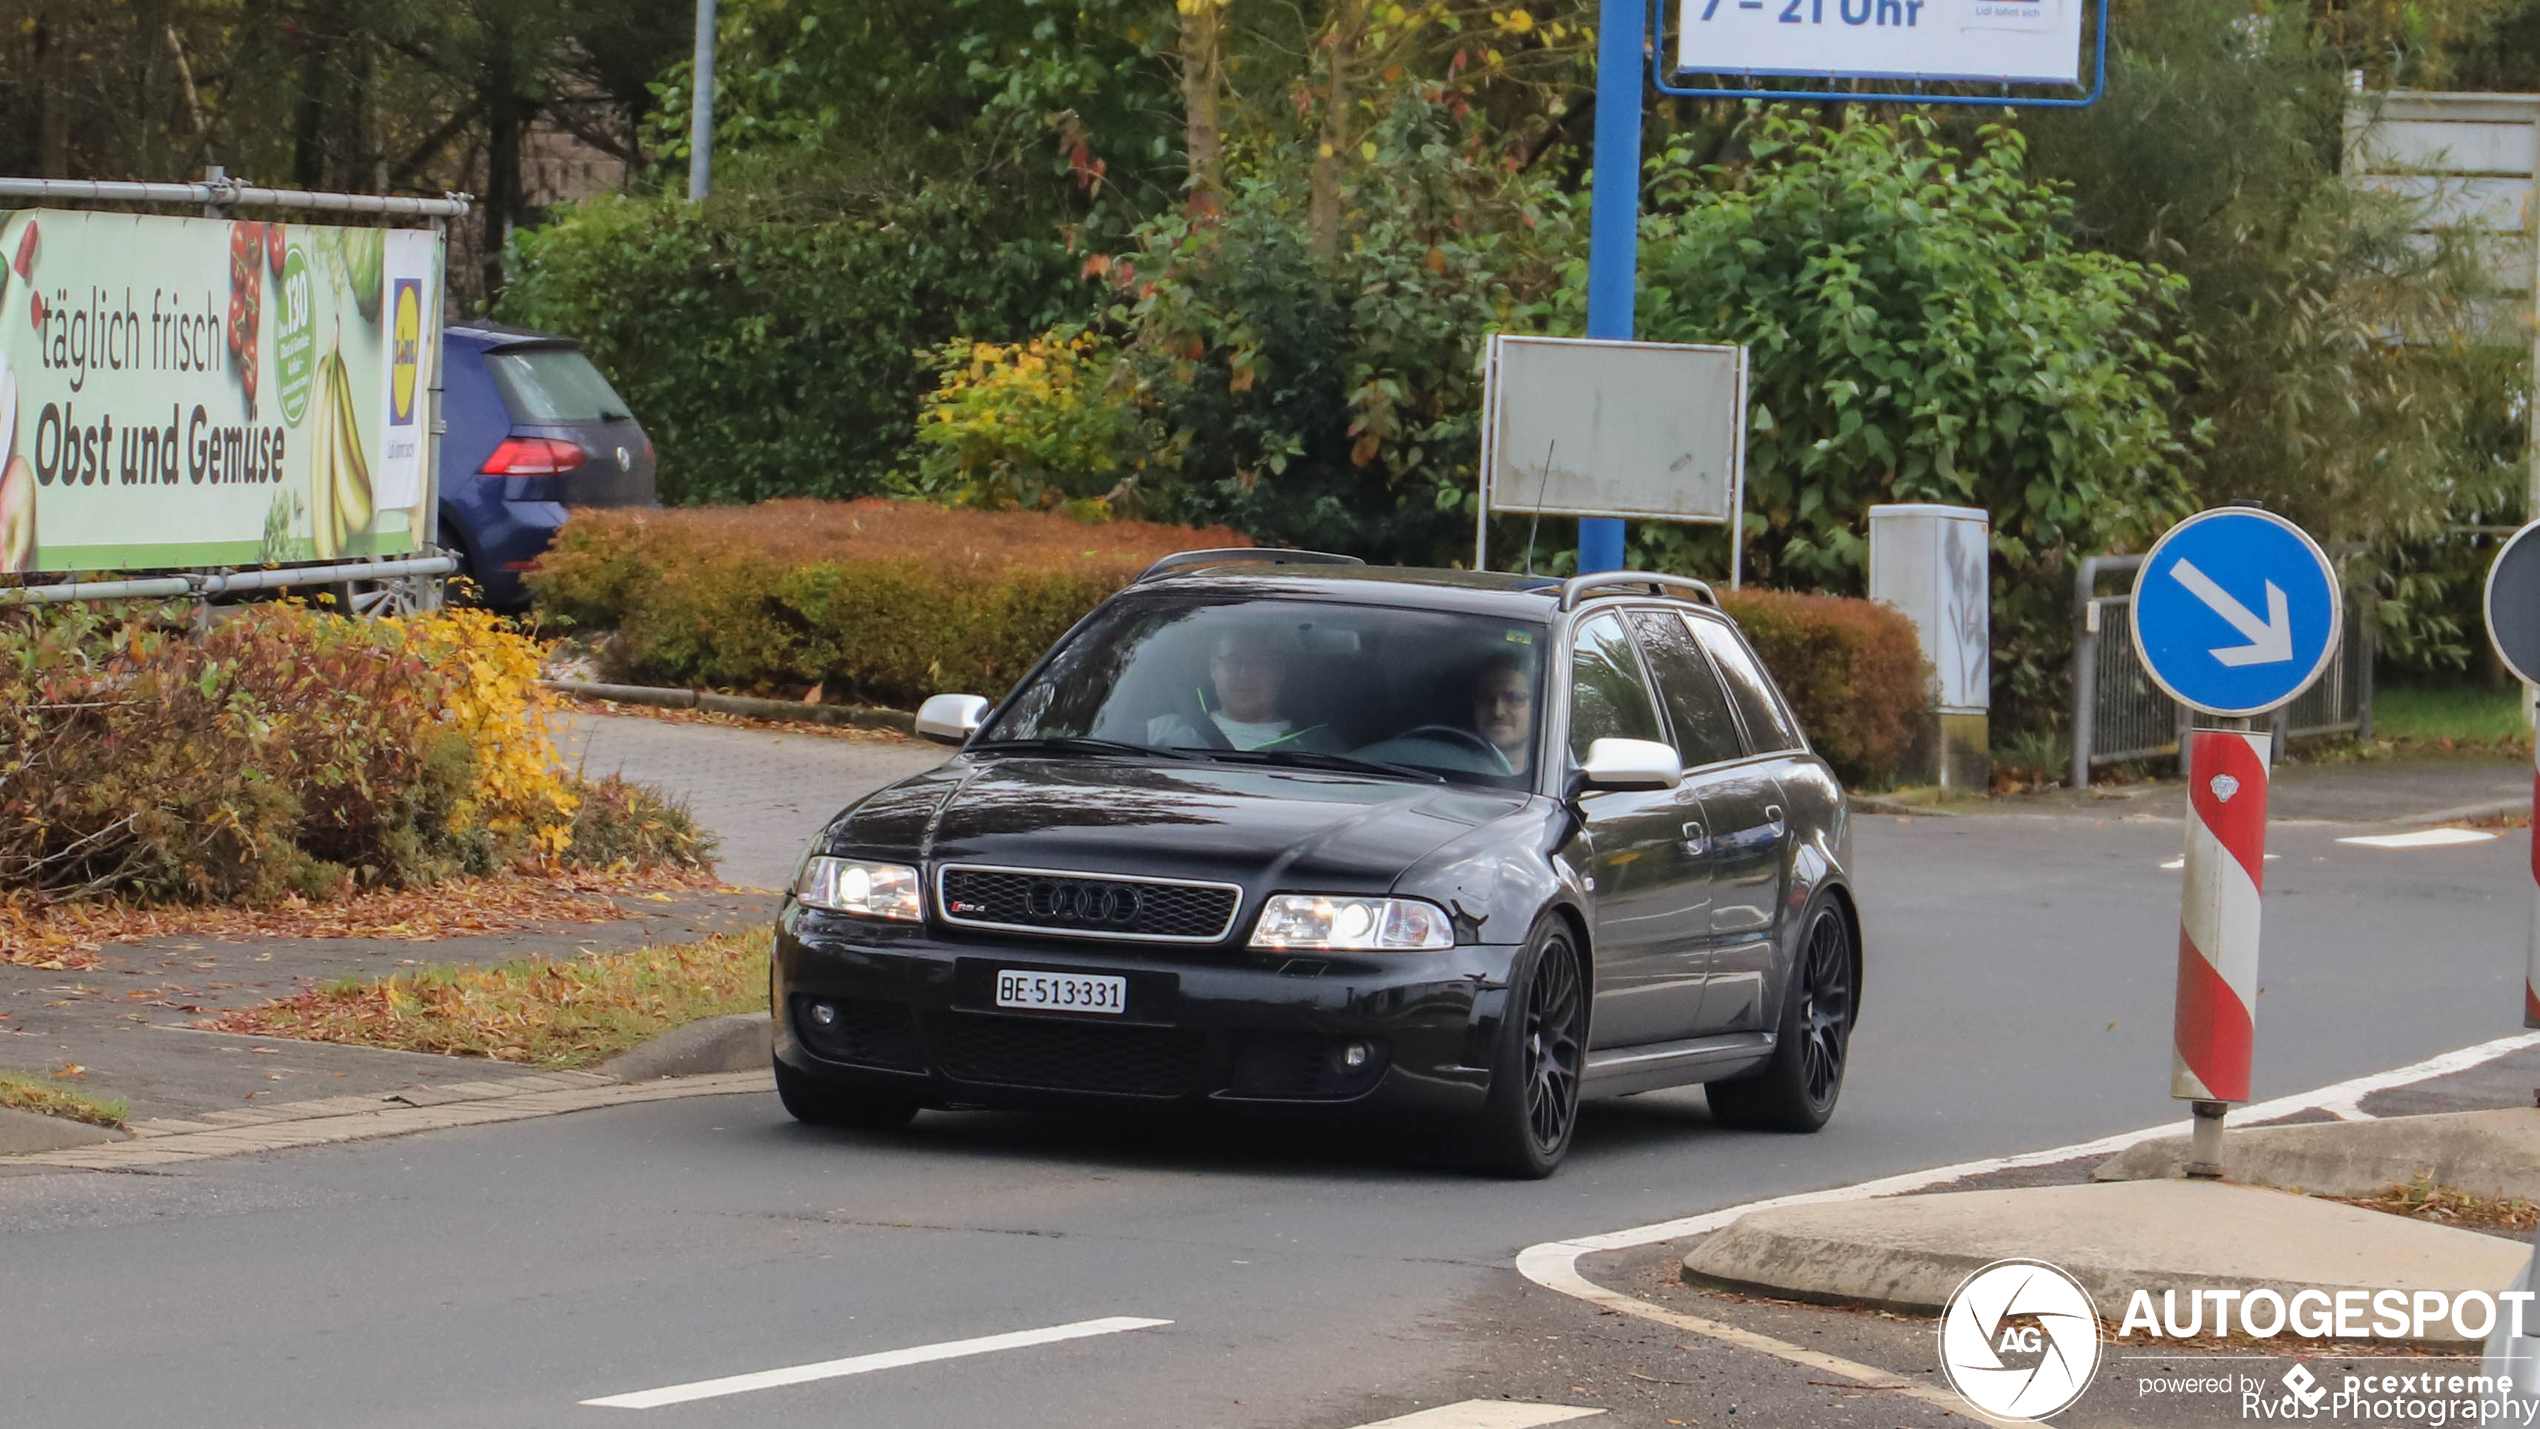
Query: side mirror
x: 1631, y: 764
x: 951, y: 719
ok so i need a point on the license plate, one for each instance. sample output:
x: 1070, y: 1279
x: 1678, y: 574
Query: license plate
x: 1062, y: 992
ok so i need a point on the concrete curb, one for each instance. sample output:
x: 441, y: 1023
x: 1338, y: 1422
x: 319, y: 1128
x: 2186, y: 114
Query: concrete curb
x: 748, y: 707
x: 25, y: 1131
x: 1872, y: 804
x: 1908, y: 1254
x: 2483, y: 1152
x: 738, y: 1042
x: 172, y: 1142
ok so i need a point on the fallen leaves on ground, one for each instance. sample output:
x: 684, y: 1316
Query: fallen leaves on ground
x: 49, y: 1098
x: 68, y: 936
x: 549, y: 1012
x: 671, y: 715
x: 2422, y: 1200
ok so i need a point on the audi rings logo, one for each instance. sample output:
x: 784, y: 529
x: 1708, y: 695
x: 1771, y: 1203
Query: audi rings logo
x: 1089, y: 905
x: 2020, y: 1340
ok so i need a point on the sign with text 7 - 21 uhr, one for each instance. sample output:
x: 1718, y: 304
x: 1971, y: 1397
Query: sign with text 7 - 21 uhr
x: 2027, y: 41
x: 181, y: 392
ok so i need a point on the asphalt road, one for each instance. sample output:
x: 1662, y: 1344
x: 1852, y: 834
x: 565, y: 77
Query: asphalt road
x: 2018, y: 997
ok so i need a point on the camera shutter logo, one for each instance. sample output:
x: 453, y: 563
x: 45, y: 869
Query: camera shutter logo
x: 2019, y: 1340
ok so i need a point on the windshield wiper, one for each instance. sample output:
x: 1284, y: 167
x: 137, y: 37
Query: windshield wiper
x: 1071, y: 744
x: 1312, y: 759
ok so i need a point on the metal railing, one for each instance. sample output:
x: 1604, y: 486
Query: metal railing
x: 2120, y: 715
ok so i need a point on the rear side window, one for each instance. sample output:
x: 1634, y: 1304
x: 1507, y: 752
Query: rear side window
x: 1706, y: 733
x: 1768, y: 727
x: 1609, y: 697
x: 554, y: 384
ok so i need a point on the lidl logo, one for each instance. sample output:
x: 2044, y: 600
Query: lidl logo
x: 406, y: 317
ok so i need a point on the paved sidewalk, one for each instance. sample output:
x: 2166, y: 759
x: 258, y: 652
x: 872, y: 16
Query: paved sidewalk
x: 324, y: 1121
x: 127, y: 1024
x: 2383, y: 791
x: 764, y: 792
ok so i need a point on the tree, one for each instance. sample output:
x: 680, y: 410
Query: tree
x: 1921, y: 329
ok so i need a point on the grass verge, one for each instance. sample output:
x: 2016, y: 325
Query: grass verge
x: 546, y: 1012
x: 2450, y: 1206
x: 48, y: 1097
x: 2462, y: 715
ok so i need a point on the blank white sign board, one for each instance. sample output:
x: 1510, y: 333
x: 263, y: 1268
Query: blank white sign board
x: 1638, y: 430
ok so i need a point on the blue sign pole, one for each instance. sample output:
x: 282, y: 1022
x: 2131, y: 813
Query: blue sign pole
x: 1614, y: 219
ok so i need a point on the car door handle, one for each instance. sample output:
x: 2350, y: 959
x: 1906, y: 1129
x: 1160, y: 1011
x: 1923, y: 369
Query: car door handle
x: 1773, y: 819
x: 1697, y: 840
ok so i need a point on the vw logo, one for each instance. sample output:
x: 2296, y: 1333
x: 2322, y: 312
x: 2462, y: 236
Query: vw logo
x: 1083, y: 904
x: 625, y: 459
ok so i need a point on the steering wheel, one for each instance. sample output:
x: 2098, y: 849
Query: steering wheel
x: 1453, y: 734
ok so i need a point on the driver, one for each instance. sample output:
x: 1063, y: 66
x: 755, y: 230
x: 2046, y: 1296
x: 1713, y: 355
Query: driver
x: 1504, y: 708
x: 1247, y: 675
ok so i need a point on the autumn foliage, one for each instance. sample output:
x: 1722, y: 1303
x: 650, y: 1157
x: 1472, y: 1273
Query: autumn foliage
x: 1852, y: 670
x: 886, y: 601
x: 285, y: 751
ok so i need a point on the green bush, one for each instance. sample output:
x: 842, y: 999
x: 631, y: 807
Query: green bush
x: 775, y: 352
x: 882, y: 601
x: 1853, y: 671
x: 1920, y: 329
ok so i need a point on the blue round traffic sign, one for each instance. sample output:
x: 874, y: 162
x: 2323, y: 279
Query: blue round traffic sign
x: 2236, y: 611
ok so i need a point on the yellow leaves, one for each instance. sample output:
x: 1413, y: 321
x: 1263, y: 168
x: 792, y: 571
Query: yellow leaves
x: 1515, y: 22
x: 1367, y: 150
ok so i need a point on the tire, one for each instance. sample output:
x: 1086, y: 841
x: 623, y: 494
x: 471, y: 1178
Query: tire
x: 1525, y: 1125
x: 1798, y: 1088
x: 818, y: 1102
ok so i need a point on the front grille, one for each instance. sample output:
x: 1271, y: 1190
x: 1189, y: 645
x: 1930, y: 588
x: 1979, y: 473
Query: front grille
x: 863, y: 1032
x: 1070, y: 905
x: 1067, y: 1056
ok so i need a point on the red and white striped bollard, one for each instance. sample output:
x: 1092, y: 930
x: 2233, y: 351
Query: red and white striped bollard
x: 2218, y: 931
x: 2531, y: 962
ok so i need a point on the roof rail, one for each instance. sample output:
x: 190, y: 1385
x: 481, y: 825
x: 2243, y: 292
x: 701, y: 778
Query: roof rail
x: 1579, y: 588
x: 1236, y: 555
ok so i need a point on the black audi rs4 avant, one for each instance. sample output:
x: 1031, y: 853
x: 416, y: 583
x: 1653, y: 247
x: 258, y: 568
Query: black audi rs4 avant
x: 1278, y: 827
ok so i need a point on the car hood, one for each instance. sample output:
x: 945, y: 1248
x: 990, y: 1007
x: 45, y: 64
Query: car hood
x: 1261, y: 827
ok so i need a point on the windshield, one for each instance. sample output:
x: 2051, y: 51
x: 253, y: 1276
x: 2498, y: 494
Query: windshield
x: 1407, y: 693
x: 554, y: 384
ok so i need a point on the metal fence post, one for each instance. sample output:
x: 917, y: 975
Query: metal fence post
x: 2085, y: 670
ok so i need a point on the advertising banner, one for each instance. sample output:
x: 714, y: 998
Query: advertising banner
x: 180, y: 392
x: 2033, y: 41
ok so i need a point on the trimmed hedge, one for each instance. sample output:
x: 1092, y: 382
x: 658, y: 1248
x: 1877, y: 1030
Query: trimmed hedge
x: 1853, y: 671
x: 873, y: 600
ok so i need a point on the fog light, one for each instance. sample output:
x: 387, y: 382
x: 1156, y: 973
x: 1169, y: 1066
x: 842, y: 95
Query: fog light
x: 1354, y: 1056
x: 824, y: 1014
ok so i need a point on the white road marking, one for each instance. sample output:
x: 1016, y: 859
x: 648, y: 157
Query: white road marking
x: 2421, y: 838
x: 866, y: 1364
x: 1554, y: 1264
x: 1485, y: 1414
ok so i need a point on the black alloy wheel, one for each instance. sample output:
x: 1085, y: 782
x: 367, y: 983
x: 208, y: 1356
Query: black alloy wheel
x: 1797, y: 1089
x: 1533, y: 1110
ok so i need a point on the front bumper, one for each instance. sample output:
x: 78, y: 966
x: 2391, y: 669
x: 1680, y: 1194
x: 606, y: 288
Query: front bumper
x: 914, y: 1012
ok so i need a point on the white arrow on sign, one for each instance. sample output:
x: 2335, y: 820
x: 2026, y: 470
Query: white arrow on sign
x: 2270, y: 640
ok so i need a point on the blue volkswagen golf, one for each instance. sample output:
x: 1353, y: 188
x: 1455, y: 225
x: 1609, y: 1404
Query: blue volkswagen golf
x: 534, y: 430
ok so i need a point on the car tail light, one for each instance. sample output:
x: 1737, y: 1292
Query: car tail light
x: 649, y: 458
x: 532, y: 456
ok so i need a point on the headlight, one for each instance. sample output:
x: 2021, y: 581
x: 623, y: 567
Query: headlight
x: 868, y: 890
x: 1306, y: 920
